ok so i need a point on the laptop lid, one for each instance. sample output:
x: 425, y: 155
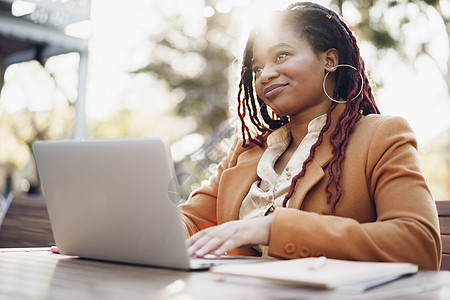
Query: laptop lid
x: 109, y: 199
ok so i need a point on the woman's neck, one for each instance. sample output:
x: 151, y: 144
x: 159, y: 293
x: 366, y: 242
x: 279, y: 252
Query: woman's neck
x: 299, y: 124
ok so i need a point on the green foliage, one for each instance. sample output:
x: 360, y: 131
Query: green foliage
x: 431, y: 2
x: 383, y: 23
x: 203, y: 87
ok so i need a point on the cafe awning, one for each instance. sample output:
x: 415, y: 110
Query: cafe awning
x: 36, y: 30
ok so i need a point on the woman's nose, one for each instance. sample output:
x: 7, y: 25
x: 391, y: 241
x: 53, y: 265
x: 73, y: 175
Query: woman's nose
x: 268, y: 73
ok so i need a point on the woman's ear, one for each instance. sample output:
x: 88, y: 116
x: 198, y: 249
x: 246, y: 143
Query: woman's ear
x: 331, y: 59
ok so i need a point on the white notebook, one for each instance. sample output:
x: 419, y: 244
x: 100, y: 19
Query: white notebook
x: 321, y: 272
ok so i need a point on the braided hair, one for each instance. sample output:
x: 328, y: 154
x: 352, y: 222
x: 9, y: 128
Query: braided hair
x: 323, y: 29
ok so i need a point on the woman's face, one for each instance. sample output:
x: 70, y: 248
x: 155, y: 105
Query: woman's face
x: 289, y: 74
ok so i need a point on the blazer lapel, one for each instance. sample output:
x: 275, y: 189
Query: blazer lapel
x: 315, y: 169
x: 237, y: 182
x: 314, y: 173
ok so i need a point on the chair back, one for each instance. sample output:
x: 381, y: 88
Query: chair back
x: 443, y: 208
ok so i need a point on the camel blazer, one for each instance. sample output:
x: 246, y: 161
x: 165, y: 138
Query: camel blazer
x: 386, y: 211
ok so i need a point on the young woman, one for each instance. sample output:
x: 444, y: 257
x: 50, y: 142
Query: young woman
x: 318, y: 170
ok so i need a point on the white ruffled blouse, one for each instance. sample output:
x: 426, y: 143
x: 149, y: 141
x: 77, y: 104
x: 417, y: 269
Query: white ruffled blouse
x: 269, y: 191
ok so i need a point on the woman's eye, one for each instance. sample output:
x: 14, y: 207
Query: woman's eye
x: 257, y: 70
x: 281, y: 56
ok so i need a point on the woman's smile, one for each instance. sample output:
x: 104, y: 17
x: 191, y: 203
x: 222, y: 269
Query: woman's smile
x: 272, y: 90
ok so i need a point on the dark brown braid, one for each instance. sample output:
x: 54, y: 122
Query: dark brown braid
x: 323, y: 29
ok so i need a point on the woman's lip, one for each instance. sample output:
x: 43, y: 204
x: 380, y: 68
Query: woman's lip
x: 272, y: 90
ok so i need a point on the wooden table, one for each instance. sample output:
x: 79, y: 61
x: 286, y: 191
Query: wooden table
x: 36, y: 273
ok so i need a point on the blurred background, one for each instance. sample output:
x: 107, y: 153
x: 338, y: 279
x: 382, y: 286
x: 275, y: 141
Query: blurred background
x: 169, y: 68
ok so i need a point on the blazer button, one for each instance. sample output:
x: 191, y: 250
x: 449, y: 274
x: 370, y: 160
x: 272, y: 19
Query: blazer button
x: 304, y: 252
x: 321, y: 253
x: 289, y: 248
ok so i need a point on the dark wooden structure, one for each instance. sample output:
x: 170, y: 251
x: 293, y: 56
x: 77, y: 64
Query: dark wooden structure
x: 26, y: 223
x: 443, y: 208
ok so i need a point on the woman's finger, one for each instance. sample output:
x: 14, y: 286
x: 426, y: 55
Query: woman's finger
x: 225, y: 237
x: 193, y: 238
x: 207, y: 241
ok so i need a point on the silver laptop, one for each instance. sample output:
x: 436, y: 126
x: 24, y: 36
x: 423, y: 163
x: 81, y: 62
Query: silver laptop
x: 113, y: 199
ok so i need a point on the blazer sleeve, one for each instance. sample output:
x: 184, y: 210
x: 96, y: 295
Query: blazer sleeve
x: 406, y: 228
x: 200, y: 210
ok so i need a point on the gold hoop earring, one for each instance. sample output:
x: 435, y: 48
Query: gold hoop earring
x: 341, y: 101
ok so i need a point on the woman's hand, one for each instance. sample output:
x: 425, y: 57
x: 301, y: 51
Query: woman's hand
x: 225, y: 237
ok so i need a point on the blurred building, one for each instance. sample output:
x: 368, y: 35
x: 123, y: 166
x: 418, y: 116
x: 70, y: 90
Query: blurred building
x: 39, y: 29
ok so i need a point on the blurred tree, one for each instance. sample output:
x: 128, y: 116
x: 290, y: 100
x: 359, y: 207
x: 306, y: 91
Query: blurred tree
x: 394, y: 24
x: 193, y: 57
x: 20, y: 129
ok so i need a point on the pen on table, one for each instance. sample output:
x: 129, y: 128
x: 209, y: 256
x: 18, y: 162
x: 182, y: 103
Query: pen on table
x: 317, y: 263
